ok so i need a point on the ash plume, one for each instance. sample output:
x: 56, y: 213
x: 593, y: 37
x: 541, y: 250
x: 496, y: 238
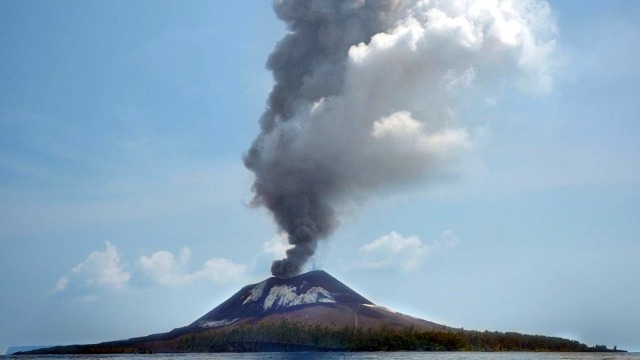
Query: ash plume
x: 365, y: 99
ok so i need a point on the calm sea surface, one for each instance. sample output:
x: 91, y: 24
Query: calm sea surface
x: 349, y: 356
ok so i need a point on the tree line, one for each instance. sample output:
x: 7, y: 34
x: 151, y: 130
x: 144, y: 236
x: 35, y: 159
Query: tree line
x: 290, y: 335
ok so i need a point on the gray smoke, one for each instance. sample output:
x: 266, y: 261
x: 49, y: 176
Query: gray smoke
x: 365, y: 96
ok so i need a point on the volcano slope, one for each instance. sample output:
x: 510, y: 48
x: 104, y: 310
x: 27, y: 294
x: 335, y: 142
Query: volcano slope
x: 313, y: 298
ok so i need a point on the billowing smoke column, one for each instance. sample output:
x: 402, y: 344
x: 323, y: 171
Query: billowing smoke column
x: 365, y: 98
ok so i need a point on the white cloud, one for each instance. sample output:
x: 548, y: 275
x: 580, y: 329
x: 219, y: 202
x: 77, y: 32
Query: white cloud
x: 61, y: 284
x: 277, y: 247
x: 101, y: 269
x: 404, y: 253
x: 393, y: 251
x: 164, y: 268
x: 219, y: 271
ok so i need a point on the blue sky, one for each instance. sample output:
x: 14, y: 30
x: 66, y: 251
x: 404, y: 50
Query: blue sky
x: 123, y: 198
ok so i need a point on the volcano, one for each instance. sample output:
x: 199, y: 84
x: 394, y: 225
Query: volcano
x: 312, y: 298
x: 315, y: 312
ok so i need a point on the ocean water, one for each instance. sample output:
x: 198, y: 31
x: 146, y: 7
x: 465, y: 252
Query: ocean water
x: 346, y: 356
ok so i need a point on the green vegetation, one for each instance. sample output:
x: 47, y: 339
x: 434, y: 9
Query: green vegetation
x: 287, y: 335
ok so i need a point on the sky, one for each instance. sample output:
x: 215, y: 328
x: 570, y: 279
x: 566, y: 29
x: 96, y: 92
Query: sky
x: 125, y: 205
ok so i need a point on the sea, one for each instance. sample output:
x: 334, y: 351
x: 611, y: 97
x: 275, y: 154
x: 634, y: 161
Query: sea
x: 345, y: 356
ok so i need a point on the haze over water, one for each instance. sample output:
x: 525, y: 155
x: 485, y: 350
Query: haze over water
x: 342, y: 355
